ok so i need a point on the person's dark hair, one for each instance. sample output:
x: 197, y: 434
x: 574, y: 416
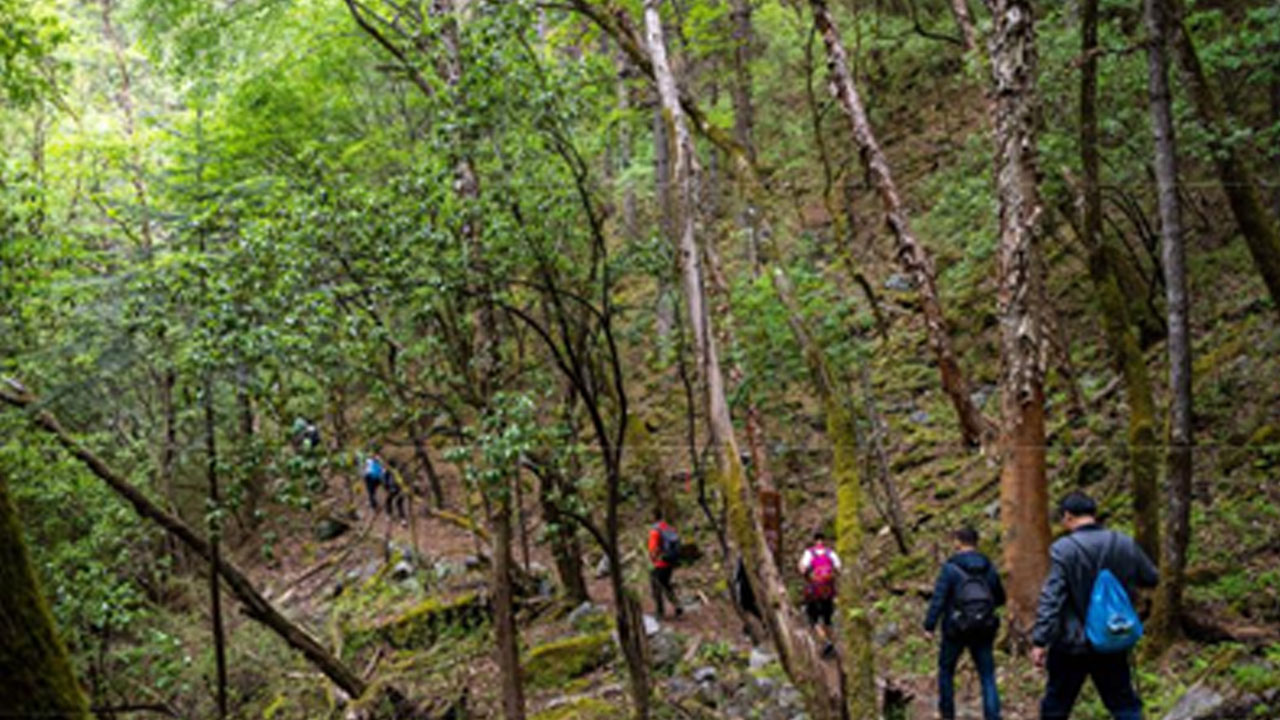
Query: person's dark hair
x: 966, y: 536
x: 817, y: 535
x: 657, y: 513
x: 1078, y: 504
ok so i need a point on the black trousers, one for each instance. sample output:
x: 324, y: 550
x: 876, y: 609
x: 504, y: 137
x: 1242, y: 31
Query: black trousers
x: 1110, y: 674
x: 660, y: 584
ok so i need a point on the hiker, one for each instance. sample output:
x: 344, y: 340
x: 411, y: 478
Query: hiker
x: 820, y: 565
x: 374, y: 474
x: 664, y: 555
x: 1076, y: 636
x: 965, y: 598
x: 305, y: 434
x: 394, y: 480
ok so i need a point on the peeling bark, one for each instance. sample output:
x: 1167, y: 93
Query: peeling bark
x: 1024, y: 499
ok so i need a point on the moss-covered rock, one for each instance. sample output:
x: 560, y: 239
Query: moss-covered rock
x: 423, y: 624
x: 580, y: 709
x: 559, y: 661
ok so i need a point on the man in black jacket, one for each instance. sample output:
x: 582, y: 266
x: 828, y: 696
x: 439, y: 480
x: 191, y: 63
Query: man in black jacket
x: 965, y: 598
x: 1059, y: 635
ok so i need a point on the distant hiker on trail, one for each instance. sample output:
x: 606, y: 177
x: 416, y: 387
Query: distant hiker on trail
x: 375, y: 473
x: 1086, y: 623
x: 965, y: 598
x: 820, y: 565
x: 664, y: 555
x: 394, y: 480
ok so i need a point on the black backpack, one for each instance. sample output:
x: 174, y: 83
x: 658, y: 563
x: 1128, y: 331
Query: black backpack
x: 973, y: 608
x: 668, y: 545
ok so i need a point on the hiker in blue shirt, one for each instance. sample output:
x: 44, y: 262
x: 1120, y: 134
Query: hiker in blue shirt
x: 1060, y: 637
x: 375, y: 474
x: 965, y: 598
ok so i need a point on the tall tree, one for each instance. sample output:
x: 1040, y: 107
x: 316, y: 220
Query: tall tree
x: 796, y: 648
x: 1143, y: 461
x: 1168, y: 606
x: 1024, y: 496
x: 1234, y: 174
x: 914, y: 258
x: 36, y: 679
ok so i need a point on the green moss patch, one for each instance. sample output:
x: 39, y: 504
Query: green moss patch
x: 557, y: 662
x: 424, y: 623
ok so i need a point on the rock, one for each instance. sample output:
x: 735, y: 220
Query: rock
x: 992, y: 510
x: 403, y: 570
x: 559, y: 661
x: 546, y: 587
x: 602, y: 567
x: 679, y: 687
x: 899, y: 283
x: 980, y: 396
x: 472, y: 562
x: 704, y: 675
x: 919, y: 417
x: 789, y: 698
x: 886, y: 634
x: 666, y: 648
x: 1197, y: 702
x: 581, y: 616
x: 443, y: 569
x: 758, y: 659
x: 330, y: 528
x: 611, y: 690
x: 651, y: 625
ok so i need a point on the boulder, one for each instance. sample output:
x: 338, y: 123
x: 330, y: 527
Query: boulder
x: 1199, y: 701
x: 555, y: 663
x: 584, y: 617
x: 651, y: 625
x: 899, y: 283
x: 705, y: 675
x: 759, y: 659
x: 602, y: 567
x: 403, y: 570
x: 666, y: 648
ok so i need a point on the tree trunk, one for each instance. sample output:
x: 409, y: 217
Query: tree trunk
x: 215, y: 538
x: 1024, y: 500
x: 1237, y: 180
x: 1114, y: 311
x: 506, y: 635
x: 796, y: 649
x: 856, y: 646
x: 36, y: 679
x: 1168, y: 604
x: 256, y: 606
x: 915, y: 260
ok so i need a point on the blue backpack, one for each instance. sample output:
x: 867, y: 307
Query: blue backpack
x: 1110, y: 623
x: 373, y: 470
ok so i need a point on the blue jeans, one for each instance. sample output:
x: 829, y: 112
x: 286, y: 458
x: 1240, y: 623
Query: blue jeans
x: 984, y: 659
x: 1110, y: 673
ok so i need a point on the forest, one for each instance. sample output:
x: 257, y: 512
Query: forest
x: 374, y: 359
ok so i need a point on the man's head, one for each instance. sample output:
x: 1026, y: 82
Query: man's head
x: 819, y: 538
x: 966, y: 537
x: 1076, y: 509
x: 657, y: 513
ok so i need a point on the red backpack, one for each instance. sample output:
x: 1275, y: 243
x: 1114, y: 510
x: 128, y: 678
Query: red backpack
x: 822, y: 575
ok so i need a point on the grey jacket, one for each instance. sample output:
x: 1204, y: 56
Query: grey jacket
x: 1076, y: 560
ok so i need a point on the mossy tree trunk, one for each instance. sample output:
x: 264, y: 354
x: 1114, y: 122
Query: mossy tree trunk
x: 1024, y: 499
x: 36, y: 679
x: 1168, y: 605
x: 796, y: 649
x: 1234, y: 173
x: 857, y: 655
x: 1143, y: 458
